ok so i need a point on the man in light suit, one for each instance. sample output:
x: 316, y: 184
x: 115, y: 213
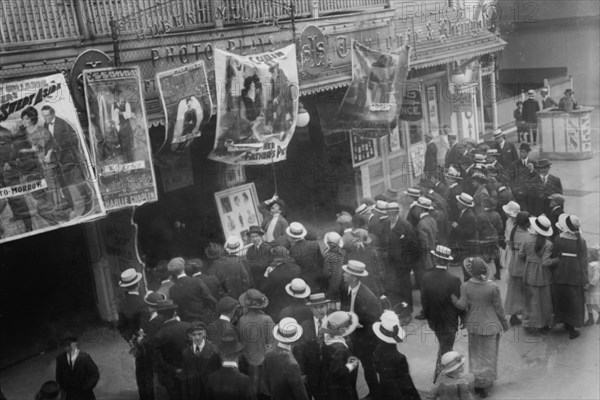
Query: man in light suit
x: 508, y: 153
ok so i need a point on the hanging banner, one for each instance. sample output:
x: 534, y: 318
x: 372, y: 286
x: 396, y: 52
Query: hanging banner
x: 412, y: 107
x: 373, y: 99
x: 186, y: 101
x: 46, y: 177
x: 119, y: 137
x: 257, y: 106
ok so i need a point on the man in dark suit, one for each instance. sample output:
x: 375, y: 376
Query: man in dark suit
x: 149, y: 325
x: 228, y: 383
x: 521, y: 174
x: 231, y: 269
x: 430, y: 167
x: 530, y: 108
x: 359, y: 299
x: 258, y: 255
x: 191, y: 295
x: 307, y: 255
x: 556, y: 203
x: 453, y: 179
x: 308, y: 352
x: 67, y: 150
x: 507, y: 152
x: 454, y: 152
x: 465, y: 233
x: 282, y: 271
x: 282, y: 372
x: 216, y: 330
x: 194, y: 269
x: 189, y: 118
x: 200, y: 360
x: 76, y: 372
x: 169, y: 342
x: 441, y: 315
x: 543, y: 185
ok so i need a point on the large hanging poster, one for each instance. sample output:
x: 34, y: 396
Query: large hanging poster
x: 257, y: 100
x: 119, y: 137
x: 187, y: 103
x: 373, y: 98
x: 46, y: 179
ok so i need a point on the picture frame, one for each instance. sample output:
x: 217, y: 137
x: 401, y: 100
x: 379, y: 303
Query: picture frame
x: 238, y: 210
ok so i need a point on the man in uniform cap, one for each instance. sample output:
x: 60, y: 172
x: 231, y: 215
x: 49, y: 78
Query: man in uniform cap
x: 530, y: 108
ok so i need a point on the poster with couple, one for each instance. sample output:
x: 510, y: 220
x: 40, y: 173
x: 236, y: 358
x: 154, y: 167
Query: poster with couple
x: 119, y: 137
x: 46, y: 176
x: 186, y: 99
x: 374, y: 97
x: 257, y: 106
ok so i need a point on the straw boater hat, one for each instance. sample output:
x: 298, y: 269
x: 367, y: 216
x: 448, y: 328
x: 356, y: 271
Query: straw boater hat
x: 479, y: 177
x: 423, y: 202
x: 355, y: 268
x: 465, y: 199
x: 388, y: 328
x: 152, y: 298
x: 451, y: 361
x: 362, y: 209
x: 392, y: 207
x: 287, y: 331
x: 129, y: 277
x: 234, y: 245
x: 253, y: 298
x: 541, y: 225
x: 296, y: 230
x: 343, y: 323
x: 298, y: 288
x: 492, y: 152
x: 480, y: 158
x: 571, y: 223
x: 442, y: 252
x: 380, y: 206
x: 560, y: 224
x: 498, y: 133
x: 412, y: 192
x: 316, y: 299
x: 452, y: 173
x: 333, y: 237
x: 511, y: 209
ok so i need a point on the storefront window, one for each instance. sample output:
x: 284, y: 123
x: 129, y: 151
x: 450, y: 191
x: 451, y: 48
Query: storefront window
x: 433, y: 109
x: 415, y: 132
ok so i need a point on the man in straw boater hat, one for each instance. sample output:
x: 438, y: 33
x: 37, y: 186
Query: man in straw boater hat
x: 297, y: 309
x: 453, y: 383
x: 169, y: 342
x: 282, y: 372
x: 76, y: 372
x: 392, y: 368
x: 508, y: 153
x: 359, y: 299
x: 230, y: 269
x: 307, y: 255
x: 442, y: 317
x: 464, y: 232
x: 258, y: 255
x: 309, y: 351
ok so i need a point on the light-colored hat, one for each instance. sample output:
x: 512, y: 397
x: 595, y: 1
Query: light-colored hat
x: 380, y: 206
x: 497, y: 133
x: 480, y: 158
x: 287, y: 331
x: 355, y: 268
x: 344, y: 219
x: 465, y: 199
x: 316, y: 299
x: 129, y: 277
x: 333, y: 237
x: 423, y: 202
x: 544, y: 89
x: 442, y: 252
x: 452, y: 173
x: 502, y: 188
x: 342, y: 320
x: 572, y: 223
x: 541, y: 225
x: 298, y: 288
x: 451, y: 361
x: 393, y: 207
x: 511, y: 209
x: 413, y: 192
x: 297, y: 231
x: 362, y: 209
x: 388, y: 328
x: 234, y: 244
x: 492, y: 152
x: 531, y: 92
x: 152, y: 298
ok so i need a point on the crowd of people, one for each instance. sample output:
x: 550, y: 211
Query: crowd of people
x: 293, y: 316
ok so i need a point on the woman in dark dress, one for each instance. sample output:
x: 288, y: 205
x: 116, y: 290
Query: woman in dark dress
x: 339, y: 368
x: 570, y: 275
x: 395, y: 382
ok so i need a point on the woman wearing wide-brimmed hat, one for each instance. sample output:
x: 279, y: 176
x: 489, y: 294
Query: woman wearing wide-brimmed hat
x: 395, y: 382
x: 537, y: 277
x: 570, y: 275
x: 485, y: 321
x: 339, y: 367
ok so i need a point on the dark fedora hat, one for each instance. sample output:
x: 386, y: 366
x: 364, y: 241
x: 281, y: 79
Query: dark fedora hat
x: 544, y: 163
x: 255, y: 229
x: 525, y: 146
x: 230, y: 344
x: 165, y: 305
x: 50, y: 390
x: 67, y: 338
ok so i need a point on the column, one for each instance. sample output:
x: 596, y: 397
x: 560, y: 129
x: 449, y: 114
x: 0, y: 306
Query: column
x: 494, y: 98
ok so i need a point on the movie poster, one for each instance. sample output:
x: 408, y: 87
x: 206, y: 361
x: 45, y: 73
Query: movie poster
x: 373, y: 98
x: 187, y: 103
x: 46, y: 177
x: 257, y: 100
x: 119, y: 137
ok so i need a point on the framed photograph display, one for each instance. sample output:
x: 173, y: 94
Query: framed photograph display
x: 238, y: 210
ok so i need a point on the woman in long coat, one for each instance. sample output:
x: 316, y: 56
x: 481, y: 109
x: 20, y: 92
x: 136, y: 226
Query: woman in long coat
x: 395, y: 382
x: 518, y: 236
x: 537, y: 280
x: 485, y: 321
x: 570, y: 275
x: 339, y: 367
